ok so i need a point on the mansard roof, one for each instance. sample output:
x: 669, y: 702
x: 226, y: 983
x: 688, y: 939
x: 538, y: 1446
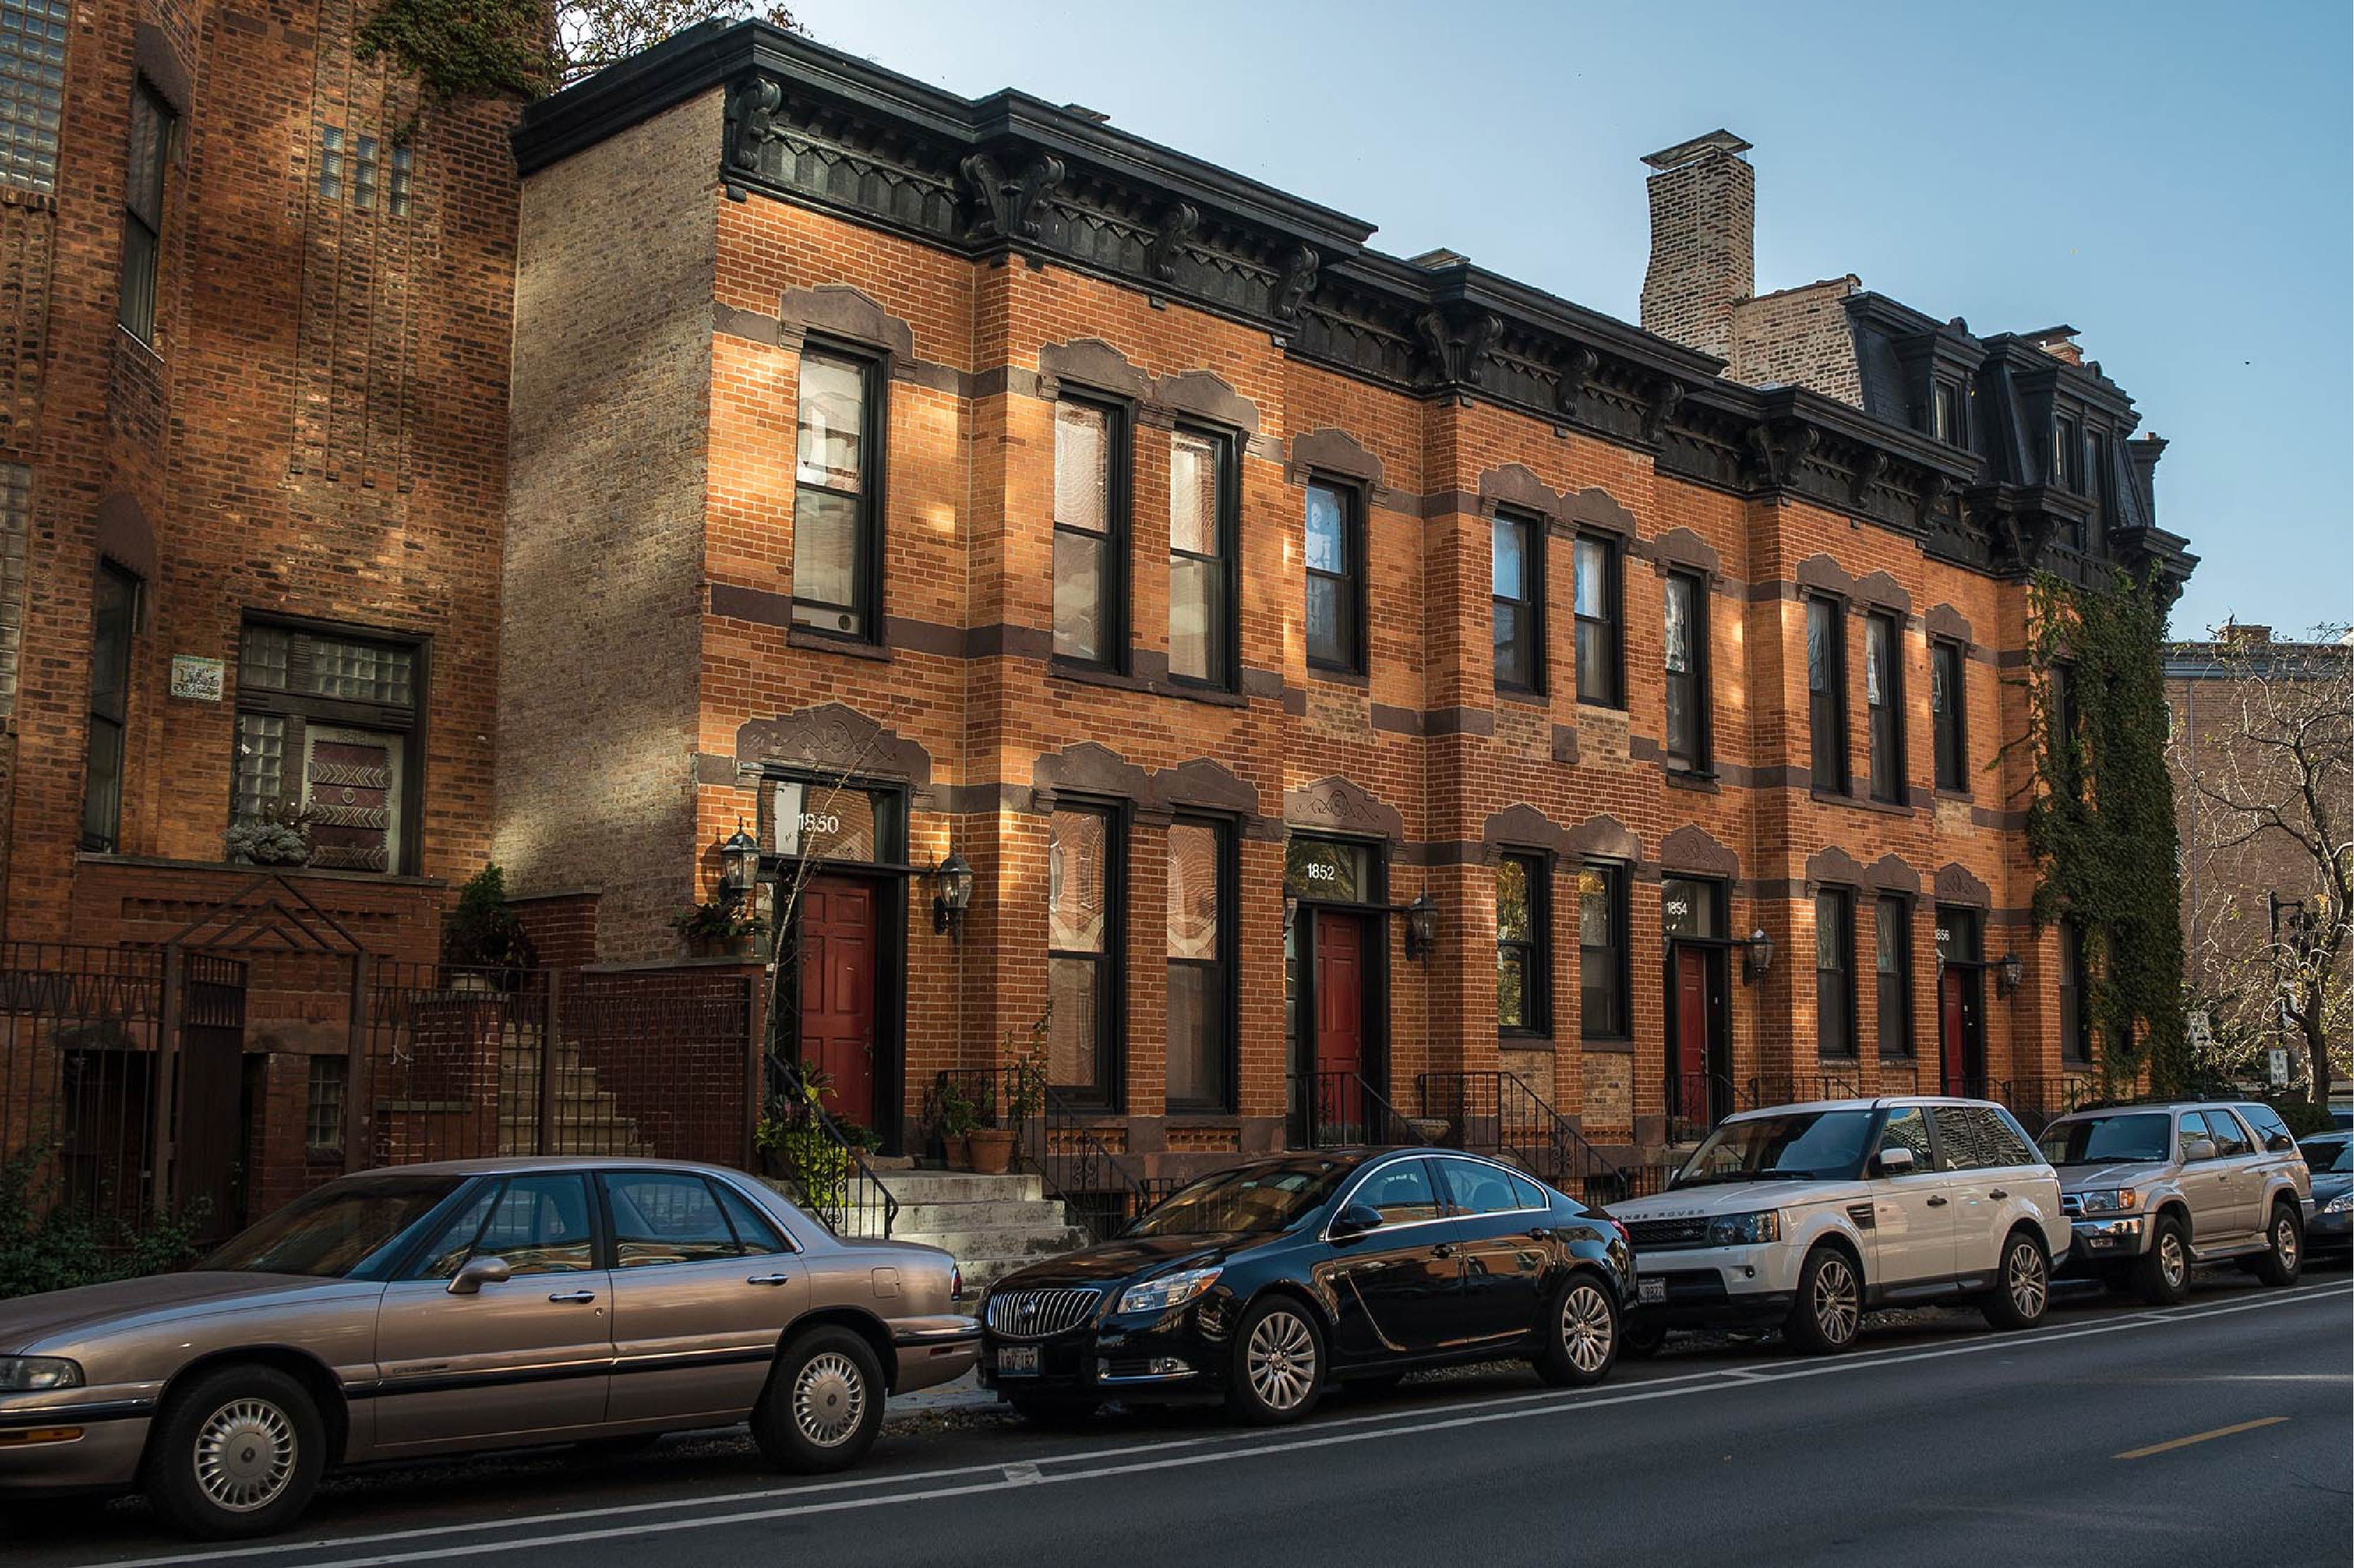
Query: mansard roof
x: 811, y: 124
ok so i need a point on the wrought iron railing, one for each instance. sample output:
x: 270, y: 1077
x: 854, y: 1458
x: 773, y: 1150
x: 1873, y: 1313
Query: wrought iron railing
x: 1092, y: 1183
x: 825, y: 1159
x: 1341, y: 1110
x: 1696, y: 1102
x: 1497, y: 1113
x: 1841, y: 1082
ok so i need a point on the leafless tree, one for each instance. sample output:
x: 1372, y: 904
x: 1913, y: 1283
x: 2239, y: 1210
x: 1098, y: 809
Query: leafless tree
x: 2268, y: 772
x: 593, y: 34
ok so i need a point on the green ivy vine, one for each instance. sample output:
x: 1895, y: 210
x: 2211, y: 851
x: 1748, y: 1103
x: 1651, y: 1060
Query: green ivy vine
x: 461, y: 49
x: 2101, y: 825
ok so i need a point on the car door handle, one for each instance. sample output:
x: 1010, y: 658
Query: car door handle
x: 1444, y: 1249
x: 1997, y: 1195
x: 768, y: 1279
x: 574, y: 1295
x: 1936, y: 1202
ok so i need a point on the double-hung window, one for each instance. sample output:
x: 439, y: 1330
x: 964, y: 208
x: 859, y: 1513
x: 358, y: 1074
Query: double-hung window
x: 1835, y: 972
x: 1945, y: 413
x: 327, y: 722
x: 114, y: 615
x: 1892, y: 959
x: 837, y: 526
x: 1202, y: 578
x: 1884, y: 700
x: 1083, y: 950
x: 1947, y: 714
x: 1336, y: 595
x: 1201, y: 965
x: 2067, y: 453
x: 1600, y: 654
x: 1603, y: 975
x: 1517, y: 593
x: 1827, y: 693
x: 1090, y: 533
x: 152, y: 121
x: 1524, y: 945
x: 1684, y: 633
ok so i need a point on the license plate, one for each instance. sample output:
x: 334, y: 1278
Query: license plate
x: 1017, y: 1360
x: 1650, y: 1291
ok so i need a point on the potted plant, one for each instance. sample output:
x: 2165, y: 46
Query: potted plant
x: 483, y: 932
x: 279, y: 836
x: 959, y: 1120
x: 716, y: 929
x: 1025, y: 1085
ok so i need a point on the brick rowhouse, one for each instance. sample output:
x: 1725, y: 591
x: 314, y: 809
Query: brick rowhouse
x: 903, y: 476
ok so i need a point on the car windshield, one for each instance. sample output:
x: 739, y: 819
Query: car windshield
x: 2098, y: 1139
x: 1253, y: 1200
x: 328, y: 1232
x: 1796, y: 1146
x: 2329, y: 1154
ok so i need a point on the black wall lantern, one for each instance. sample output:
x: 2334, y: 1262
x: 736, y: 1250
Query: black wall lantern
x: 2006, y: 973
x: 1421, y: 925
x: 739, y: 865
x: 1758, y: 957
x: 951, y: 893
x: 1291, y: 910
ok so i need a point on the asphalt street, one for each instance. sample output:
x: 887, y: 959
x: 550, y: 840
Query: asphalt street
x: 2221, y: 1430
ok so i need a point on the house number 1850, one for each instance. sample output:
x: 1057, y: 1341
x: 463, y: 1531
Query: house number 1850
x: 821, y: 823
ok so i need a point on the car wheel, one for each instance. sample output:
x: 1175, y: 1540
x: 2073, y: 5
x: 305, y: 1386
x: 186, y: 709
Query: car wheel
x: 1829, y: 1310
x: 2163, y: 1273
x: 2281, y: 1262
x: 2022, y: 1286
x: 1061, y: 1414
x: 237, y: 1453
x: 1641, y: 1340
x: 1580, y: 1339
x: 823, y: 1404
x: 1277, y: 1369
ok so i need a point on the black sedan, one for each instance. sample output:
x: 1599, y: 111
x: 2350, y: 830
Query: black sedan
x: 2330, y: 1157
x: 1262, y: 1285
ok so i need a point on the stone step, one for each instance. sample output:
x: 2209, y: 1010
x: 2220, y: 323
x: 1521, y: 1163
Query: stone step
x: 1012, y: 1241
x: 960, y: 1187
x: 1005, y: 1214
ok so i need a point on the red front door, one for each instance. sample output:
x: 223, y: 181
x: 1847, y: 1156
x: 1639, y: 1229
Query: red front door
x: 1339, y: 993
x: 1953, y: 1026
x: 838, y: 942
x: 1687, y: 1069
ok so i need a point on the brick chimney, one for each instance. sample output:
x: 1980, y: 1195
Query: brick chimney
x: 2241, y: 634
x: 1703, y: 223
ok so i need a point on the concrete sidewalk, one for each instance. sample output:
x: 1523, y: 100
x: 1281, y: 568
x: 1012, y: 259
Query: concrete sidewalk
x: 964, y: 1395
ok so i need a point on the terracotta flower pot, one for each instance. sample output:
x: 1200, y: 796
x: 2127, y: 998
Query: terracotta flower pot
x: 957, y: 1151
x: 992, y: 1151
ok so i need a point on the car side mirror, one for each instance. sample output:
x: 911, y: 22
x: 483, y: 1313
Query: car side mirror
x: 1354, y: 1220
x: 1895, y: 1162
x: 2280, y: 1143
x: 479, y: 1271
x: 2194, y: 1149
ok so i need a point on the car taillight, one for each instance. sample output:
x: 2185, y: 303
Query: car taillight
x: 956, y: 1282
x: 1624, y: 1236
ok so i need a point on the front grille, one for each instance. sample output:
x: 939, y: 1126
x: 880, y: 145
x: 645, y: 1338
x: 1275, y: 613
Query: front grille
x: 1040, y: 1314
x: 1655, y: 1234
x: 2072, y: 1203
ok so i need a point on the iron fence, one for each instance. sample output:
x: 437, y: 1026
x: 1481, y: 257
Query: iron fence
x: 1497, y: 1113
x: 1055, y: 1142
x: 81, y: 1028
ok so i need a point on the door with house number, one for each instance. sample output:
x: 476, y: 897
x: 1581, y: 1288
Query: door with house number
x: 838, y: 940
x: 1340, y: 1019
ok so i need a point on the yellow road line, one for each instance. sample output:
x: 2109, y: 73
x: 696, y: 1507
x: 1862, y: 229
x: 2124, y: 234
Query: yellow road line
x: 2198, y: 1437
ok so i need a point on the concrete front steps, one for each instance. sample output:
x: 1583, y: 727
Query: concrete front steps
x: 587, y: 1118
x: 991, y: 1224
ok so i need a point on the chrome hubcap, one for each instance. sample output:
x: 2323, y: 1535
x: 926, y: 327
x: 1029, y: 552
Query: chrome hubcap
x: 1835, y: 1303
x: 2026, y: 1287
x: 1585, y: 1329
x: 245, y: 1455
x: 828, y: 1399
x: 1280, y: 1360
x: 2169, y: 1259
x: 2285, y: 1242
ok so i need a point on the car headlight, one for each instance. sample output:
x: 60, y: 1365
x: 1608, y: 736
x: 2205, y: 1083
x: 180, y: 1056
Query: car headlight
x: 2341, y: 1205
x: 31, y: 1375
x: 2121, y: 1200
x: 1168, y: 1290
x: 1730, y: 1230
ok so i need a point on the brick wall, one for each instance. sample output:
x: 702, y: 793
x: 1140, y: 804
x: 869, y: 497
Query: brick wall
x: 1798, y: 337
x: 1703, y: 201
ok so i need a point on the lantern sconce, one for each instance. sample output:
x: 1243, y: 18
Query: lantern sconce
x: 2006, y: 973
x: 951, y: 894
x: 1758, y: 956
x: 1422, y: 926
x: 1291, y: 910
x: 739, y: 866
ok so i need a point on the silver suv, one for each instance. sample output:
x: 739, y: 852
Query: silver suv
x: 2153, y: 1189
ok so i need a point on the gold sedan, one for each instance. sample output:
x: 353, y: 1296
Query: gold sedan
x: 469, y: 1306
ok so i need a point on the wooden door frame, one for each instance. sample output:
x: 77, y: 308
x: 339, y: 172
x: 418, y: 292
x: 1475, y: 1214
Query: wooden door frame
x: 1376, y: 984
x: 1972, y: 975
x: 1720, y: 1024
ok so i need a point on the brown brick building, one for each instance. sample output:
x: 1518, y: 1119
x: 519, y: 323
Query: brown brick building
x: 252, y: 471
x: 907, y: 477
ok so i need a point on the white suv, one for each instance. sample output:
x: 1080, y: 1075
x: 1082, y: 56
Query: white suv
x: 1804, y: 1217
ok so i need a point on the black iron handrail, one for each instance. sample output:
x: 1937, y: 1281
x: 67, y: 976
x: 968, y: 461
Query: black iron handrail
x: 1696, y: 1102
x: 1077, y: 1169
x: 1497, y: 1113
x: 1798, y: 1088
x: 1342, y: 1110
x: 854, y: 1203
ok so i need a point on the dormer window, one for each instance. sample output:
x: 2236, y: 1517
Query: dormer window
x: 1945, y: 413
x: 2068, y: 453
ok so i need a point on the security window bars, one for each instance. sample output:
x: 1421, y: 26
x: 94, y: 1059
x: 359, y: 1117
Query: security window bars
x: 1946, y: 715
x: 1083, y: 951
x: 1524, y: 947
x: 1884, y: 700
x: 1201, y: 609
x: 1517, y: 594
x: 1834, y: 973
x: 114, y: 614
x: 837, y: 526
x: 1603, y: 979
x: 152, y: 121
x: 1685, y: 634
x: 32, y: 89
x: 1595, y: 601
x: 1827, y: 693
x: 327, y: 722
x: 1090, y: 533
x: 1201, y: 966
x: 1892, y: 957
x: 1335, y: 543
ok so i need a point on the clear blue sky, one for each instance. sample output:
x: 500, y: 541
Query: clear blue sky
x: 2172, y: 179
